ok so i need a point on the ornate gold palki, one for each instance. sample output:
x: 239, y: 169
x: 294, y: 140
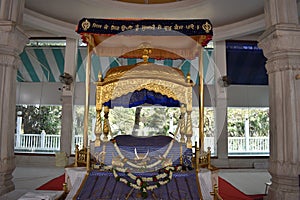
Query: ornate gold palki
x: 160, y: 79
x: 167, y: 39
x: 144, y: 75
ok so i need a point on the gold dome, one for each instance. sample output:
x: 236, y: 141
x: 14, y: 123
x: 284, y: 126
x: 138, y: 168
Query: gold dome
x: 145, y: 70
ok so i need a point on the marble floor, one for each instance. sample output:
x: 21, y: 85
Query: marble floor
x: 33, y: 177
x: 248, y: 181
x: 27, y: 179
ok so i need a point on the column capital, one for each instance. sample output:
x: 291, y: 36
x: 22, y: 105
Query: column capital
x: 280, y: 44
x: 278, y: 38
x: 13, y: 38
x: 8, y: 60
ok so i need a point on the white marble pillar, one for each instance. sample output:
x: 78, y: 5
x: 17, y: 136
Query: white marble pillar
x: 281, y: 46
x: 67, y: 96
x: 12, y: 42
x: 221, y: 104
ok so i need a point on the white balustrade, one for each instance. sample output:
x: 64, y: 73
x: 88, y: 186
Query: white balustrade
x: 43, y: 143
x: 37, y: 143
x: 259, y: 144
x: 52, y: 142
x: 236, y: 144
x: 242, y: 145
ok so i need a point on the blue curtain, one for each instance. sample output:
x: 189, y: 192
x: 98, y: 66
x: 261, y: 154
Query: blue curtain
x: 245, y: 63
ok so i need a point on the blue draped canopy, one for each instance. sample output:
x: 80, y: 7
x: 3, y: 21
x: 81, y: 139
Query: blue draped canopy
x: 141, y: 97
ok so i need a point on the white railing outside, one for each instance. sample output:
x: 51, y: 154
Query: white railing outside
x: 259, y: 144
x: 242, y: 145
x: 43, y: 143
x: 249, y: 145
x: 236, y: 144
x: 38, y: 143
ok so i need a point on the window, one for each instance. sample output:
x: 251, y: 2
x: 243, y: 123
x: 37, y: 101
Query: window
x: 248, y: 131
x: 38, y: 129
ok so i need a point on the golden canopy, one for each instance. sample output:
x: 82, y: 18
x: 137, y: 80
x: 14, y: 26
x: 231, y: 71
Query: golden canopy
x: 160, y: 79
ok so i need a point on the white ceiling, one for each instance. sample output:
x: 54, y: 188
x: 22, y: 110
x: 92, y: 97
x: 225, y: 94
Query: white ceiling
x: 220, y: 12
x: 230, y: 18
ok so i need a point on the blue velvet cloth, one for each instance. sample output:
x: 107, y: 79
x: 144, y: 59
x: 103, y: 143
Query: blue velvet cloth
x: 103, y: 185
x: 141, y: 97
x: 155, y: 146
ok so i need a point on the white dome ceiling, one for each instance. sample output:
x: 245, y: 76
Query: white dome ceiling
x: 230, y: 18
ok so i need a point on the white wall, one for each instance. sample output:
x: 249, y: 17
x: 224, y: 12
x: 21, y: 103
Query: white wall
x: 248, y: 95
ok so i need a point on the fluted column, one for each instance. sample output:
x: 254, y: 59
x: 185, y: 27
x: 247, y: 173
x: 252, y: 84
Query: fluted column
x: 12, y: 42
x: 281, y: 46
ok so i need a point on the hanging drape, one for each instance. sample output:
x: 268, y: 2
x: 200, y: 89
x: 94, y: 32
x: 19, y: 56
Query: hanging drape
x: 173, y: 39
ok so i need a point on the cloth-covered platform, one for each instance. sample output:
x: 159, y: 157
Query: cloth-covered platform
x: 153, y: 148
x: 103, y: 185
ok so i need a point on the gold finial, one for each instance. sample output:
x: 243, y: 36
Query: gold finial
x: 146, y: 53
x: 99, y: 76
x: 188, y: 78
x: 182, y: 108
x: 65, y: 187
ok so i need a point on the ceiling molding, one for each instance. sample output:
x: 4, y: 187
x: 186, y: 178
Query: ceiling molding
x: 134, y: 6
x: 240, y: 29
x: 48, y: 24
x: 62, y: 29
x: 188, y: 9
